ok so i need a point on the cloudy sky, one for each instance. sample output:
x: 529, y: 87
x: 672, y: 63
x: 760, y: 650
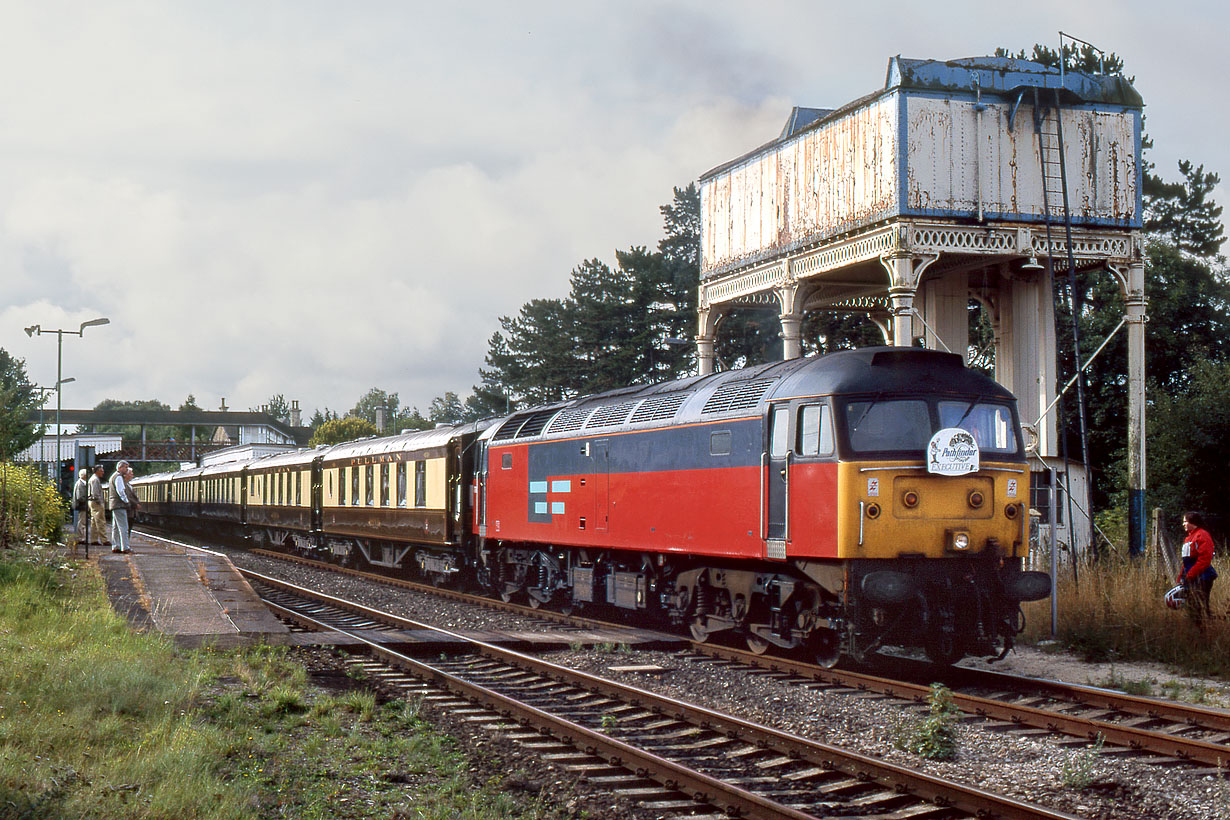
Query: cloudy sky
x: 315, y: 198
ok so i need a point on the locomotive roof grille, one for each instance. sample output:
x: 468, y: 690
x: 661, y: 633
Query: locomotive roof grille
x: 659, y: 407
x: 570, y: 420
x: 509, y: 428
x: 740, y: 395
x: 534, y: 424
x: 610, y: 415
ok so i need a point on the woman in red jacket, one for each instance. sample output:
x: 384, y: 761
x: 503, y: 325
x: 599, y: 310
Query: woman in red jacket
x: 1197, y: 573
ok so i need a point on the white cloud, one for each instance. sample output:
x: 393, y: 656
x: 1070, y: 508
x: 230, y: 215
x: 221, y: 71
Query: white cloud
x: 312, y: 199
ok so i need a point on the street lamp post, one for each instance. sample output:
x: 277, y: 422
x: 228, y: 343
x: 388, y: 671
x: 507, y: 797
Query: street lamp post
x: 60, y: 380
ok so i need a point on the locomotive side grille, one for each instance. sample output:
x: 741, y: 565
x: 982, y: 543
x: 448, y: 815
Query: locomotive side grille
x: 742, y: 395
x: 570, y: 420
x: 534, y: 424
x: 658, y: 407
x: 610, y: 415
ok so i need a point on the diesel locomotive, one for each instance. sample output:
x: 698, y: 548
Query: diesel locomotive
x: 831, y: 505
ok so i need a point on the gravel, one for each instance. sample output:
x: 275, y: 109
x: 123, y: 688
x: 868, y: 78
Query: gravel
x: 1034, y: 768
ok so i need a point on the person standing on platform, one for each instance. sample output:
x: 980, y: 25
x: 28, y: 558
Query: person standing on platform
x: 1197, y: 573
x: 134, y: 502
x: 118, y: 502
x: 98, y: 514
x: 81, y: 494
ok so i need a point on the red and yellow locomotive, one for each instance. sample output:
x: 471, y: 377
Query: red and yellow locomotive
x: 835, y: 504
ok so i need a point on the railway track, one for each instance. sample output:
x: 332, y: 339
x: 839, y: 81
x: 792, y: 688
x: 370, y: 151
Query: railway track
x: 667, y: 755
x: 1169, y: 732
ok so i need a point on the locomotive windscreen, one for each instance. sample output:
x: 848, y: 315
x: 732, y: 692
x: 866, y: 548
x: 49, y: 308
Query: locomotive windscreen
x: 906, y: 425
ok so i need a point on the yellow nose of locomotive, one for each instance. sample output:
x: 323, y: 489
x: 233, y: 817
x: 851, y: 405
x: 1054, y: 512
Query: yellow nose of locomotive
x: 894, y: 509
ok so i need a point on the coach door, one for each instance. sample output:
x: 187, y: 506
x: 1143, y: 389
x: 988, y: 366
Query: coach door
x: 776, y: 460
x: 316, y: 498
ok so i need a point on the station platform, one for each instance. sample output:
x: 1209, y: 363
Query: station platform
x: 194, y: 596
x: 198, y: 598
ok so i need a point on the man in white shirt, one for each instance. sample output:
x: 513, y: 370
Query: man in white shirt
x: 119, y: 501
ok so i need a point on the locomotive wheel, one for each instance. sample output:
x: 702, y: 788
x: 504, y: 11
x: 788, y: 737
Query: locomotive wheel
x: 699, y: 633
x: 756, y: 644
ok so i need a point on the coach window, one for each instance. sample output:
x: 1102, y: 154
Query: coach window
x: 384, y: 485
x: 401, y: 483
x: 420, y: 483
x: 369, y: 491
x: 341, y: 486
x: 354, y: 486
x: 815, y: 430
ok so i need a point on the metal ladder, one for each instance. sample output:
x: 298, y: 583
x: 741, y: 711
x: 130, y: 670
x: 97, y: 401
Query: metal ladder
x: 1048, y: 125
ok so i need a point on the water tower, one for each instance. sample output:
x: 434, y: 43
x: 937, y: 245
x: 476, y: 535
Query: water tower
x: 984, y: 178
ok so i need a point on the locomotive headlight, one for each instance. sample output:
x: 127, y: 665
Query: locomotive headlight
x: 958, y: 540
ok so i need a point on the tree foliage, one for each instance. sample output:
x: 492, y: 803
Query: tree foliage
x: 19, y: 398
x: 337, y: 431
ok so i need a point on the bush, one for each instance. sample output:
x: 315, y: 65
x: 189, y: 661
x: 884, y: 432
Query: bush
x: 30, y: 507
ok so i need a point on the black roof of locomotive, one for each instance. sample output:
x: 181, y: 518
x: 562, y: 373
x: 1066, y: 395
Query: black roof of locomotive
x: 741, y: 393
x: 887, y: 370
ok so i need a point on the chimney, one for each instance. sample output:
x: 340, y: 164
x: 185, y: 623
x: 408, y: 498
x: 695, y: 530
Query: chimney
x: 223, y: 407
x: 294, y: 413
x: 379, y: 419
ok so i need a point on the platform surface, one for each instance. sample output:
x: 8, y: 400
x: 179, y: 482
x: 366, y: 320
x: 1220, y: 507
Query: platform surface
x: 192, y: 595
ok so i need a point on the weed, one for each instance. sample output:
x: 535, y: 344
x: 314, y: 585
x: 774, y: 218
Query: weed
x: 609, y: 722
x: 1078, y: 771
x: 935, y: 736
x: 355, y: 671
x: 605, y: 648
x: 1142, y: 687
x: 284, y: 700
x: 576, y: 646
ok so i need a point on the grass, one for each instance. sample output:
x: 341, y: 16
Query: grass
x: 1116, y: 613
x: 98, y: 721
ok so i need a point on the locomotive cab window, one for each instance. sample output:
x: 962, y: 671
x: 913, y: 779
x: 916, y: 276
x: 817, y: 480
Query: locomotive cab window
x: 779, y: 432
x: 815, y: 430
x: 990, y: 424
x: 885, y: 425
x: 719, y: 443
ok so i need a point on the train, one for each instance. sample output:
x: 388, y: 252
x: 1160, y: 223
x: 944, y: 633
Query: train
x: 832, y: 506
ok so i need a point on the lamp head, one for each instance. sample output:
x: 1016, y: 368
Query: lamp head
x: 31, y: 330
x: 95, y: 323
x: 1032, y: 264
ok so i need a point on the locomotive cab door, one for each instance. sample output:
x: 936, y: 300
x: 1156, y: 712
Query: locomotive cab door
x: 776, y: 481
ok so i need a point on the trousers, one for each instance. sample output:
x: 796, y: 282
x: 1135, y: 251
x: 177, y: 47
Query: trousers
x: 98, y: 523
x: 119, y: 529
